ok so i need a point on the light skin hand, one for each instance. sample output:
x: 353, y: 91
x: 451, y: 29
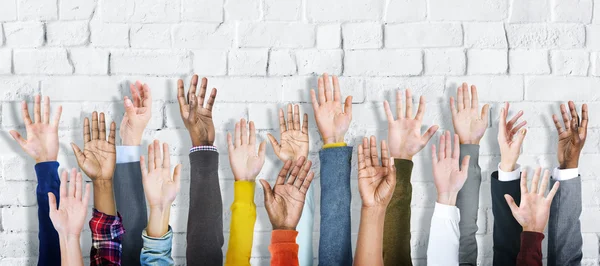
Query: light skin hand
x: 447, y: 175
x: 245, y: 162
x: 294, y: 137
x: 404, y: 133
x: 285, y: 201
x: 510, y: 139
x: 376, y: 180
x: 42, y: 134
x: 138, y: 111
x: 534, y: 210
x: 469, y: 123
x: 572, y: 137
x: 196, y: 116
x: 160, y: 187
x: 332, y: 120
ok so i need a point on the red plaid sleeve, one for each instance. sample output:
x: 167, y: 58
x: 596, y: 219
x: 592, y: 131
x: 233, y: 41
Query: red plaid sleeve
x: 107, y: 232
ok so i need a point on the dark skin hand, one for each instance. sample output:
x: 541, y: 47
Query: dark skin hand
x: 572, y: 137
x: 197, y: 116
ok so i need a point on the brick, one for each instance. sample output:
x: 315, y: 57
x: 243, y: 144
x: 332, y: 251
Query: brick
x: 577, y: 11
x: 485, y: 35
x: 570, y: 62
x: 297, y: 88
x: 144, y: 11
x: 71, y: 33
x: 17, y: 193
x: 529, y: 11
x: 150, y: 36
x: 383, y: 62
x: 5, y: 61
x: 319, y: 61
x: 523, y: 61
x: 270, y: 89
x: 561, y: 88
x: 100, y: 89
x: 491, y: 88
x: 468, y: 10
x: 445, y: 62
x: 329, y: 36
x: 351, y: 10
x: 406, y: 11
x: 37, y: 10
x: 210, y: 62
x: 274, y: 34
x: 203, y: 36
x: 17, y: 246
x: 89, y: 61
x: 44, y: 61
x: 487, y: 61
x: 9, y: 10
x: 17, y: 88
x: 242, y: 9
x: 545, y: 35
x: 24, y: 34
x: 77, y: 9
x: 109, y: 35
x: 383, y: 88
x: 194, y: 10
x: 286, y: 10
x: 20, y: 219
x: 423, y: 35
x: 248, y: 62
x: 281, y: 63
x: 116, y: 10
x: 596, y: 12
x: 593, y: 37
x: 150, y: 62
x: 362, y: 35
x: 595, y: 69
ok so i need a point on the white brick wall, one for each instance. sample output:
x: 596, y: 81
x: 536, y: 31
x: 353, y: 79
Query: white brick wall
x: 262, y: 54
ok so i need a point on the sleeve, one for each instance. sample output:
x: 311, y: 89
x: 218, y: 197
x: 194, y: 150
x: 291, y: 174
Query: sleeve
x: 107, y: 234
x: 396, y: 231
x: 48, y: 181
x: 335, y: 246
x: 283, y: 248
x: 243, y: 217
x: 205, y: 217
x: 564, y: 226
x: 507, y: 231
x: 157, y: 251
x: 468, y: 204
x: 130, y: 201
x: 444, y: 236
x: 305, y: 230
x: 531, y: 249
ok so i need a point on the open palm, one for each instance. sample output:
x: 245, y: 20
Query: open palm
x: 469, y: 123
x: 376, y: 180
x: 294, y: 137
x: 332, y: 120
x: 138, y: 112
x: 448, y: 177
x: 245, y: 162
x: 98, y: 158
x: 195, y: 115
x: 572, y: 137
x: 160, y: 188
x: 69, y: 217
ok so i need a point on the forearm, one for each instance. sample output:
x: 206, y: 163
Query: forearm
x: 158, y: 221
x: 444, y: 234
x: 107, y: 236
x: 305, y: 230
x: 70, y: 250
x: 157, y: 250
x: 530, y: 253
x: 369, y: 247
x: 396, y: 237
x: 283, y: 248
x: 243, y: 217
x: 507, y: 230
x: 564, y: 226
x: 48, y: 181
x: 104, y: 198
x: 468, y: 204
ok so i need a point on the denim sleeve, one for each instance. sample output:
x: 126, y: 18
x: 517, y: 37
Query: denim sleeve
x: 507, y: 231
x: 157, y: 251
x: 48, y: 181
x: 564, y: 227
x: 305, y: 230
x: 468, y: 204
x: 396, y: 231
x: 335, y: 246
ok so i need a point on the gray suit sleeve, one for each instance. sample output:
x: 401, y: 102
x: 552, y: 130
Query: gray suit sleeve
x: 564, y: 227
x: 468, y: 204
x: 131, y: 204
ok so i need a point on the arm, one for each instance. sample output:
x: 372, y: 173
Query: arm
x: 48, y: 182
x: 157, y: 250
x: 444, y: 234
x: 283, y: 248
x: 564, y: 229
x: 107, y: 234
x: 246, y: 165
x: 531, y: 249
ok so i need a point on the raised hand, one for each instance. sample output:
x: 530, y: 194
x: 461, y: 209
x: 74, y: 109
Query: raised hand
x: 284, y: 203
x: 572, y: 138
x: 510, y: 146
x: 534, y: 210
x: 294, y: 137
x: 69, y: 217
x: 469, y: 123
x: 137, y: 114
x: 376, y: 180
x: 332, y: 120
x: 404, y: 134
x: 196, y: 116
x: 98, y: 158
x: 447, y: 175
x: 245, y: 162
x: 42, y: 136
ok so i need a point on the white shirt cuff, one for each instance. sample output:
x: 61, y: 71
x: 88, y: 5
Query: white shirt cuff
x: 565, y: 174
x: 128, y: 154
x: 509, y: 176
x: 446, y: 212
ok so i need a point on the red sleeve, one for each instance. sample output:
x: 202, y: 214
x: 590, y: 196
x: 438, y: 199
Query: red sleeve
x: 531, y: 249
x: 283, y: 248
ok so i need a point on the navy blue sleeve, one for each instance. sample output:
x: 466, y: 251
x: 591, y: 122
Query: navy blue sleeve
x: 48, y: 181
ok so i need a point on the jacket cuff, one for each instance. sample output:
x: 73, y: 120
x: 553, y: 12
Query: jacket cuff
x: 565, y: 174
x: 159, y: 244
x: 284, y: 236
x: 509, y: 176
x: 531, y: 241
x: 203, y: 148
x: 403, y: 167
x: 243, y: 192
x: 335, y: 145
x: 47, y: 175
x: 204, y: 159
x: 106, y: 227
x: 128, y: 154
x: 471, y: 150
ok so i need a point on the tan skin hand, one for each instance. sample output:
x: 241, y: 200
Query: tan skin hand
x: 469, y: 123
x: 294, y: 137
x: 196, y: 116
x: 160, y: 187
x: 285, y: 201
x: 376, y: 180
x: 404, y: 133
x: 138, y: 111
x: 534, y: 210
x: 69, y: 217
x: 510, y: 139
x: 245, y: 162
x: 42, y: 134
x: 332, y: 120
x: 98, y: 158
x: 447, y: 176
x: 572, y: 137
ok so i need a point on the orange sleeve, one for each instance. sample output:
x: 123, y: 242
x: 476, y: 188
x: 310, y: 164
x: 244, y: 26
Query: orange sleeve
x: 283, y: 248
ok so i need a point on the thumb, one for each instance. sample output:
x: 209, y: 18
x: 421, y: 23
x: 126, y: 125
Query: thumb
x: 262, y: 149
x: 78, y: 154
x: 52, y: 202
x: 18, y: 138
x: 511, y: 203
x: 129, y: 108
x: 521, y: 137
x: 268, y: 192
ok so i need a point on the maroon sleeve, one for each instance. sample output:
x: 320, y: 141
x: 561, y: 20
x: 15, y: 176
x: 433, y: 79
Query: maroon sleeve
x: 531, y: 249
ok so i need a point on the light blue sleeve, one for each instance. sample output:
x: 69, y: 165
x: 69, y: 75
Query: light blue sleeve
x: 128, y: 154
x: 157, y: 251
x: 305, y: 231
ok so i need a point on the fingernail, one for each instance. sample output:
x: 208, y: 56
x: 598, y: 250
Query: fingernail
x: 523, y: 131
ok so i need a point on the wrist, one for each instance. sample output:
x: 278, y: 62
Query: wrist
x: 508, y: 166
x: 533, y: 229
x: 284, y: 227
x: 247, y: 179
x: 43, y: 159
x: 474, y: 142
x: 333, y: 139
x: 131, y: 142
x: 569, y: 164
x: 158, y: 221
x: 402, y: 156
x: 197, y: 143
x: 447, y: 198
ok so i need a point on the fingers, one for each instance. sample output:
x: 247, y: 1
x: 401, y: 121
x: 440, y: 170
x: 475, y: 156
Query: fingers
x: 524, y: 189
x: 421, y: 109
x: 584, y: 122
x: 429, y: 133
x: 267, y: 190
x: 557, y: 124
x: 385, y: 157
x: 302, y: 175
x: 151, y: 160
x: 135, y: 94
x: 238, y: 135
x: 146, y: 96
x: 25, y: 113
x: 313, y: 99
x: 252, y: 136
x: 86, y: 198
x: 552, y: 192
x: 388, y: 112
x: 244, y: 136
x: 565, y: 116
x: 399, y: 112
x: 166, y: 156
x: 337, y: 94
x: 485, y: 111
x: 211, y: 99
x: 448, y: 145
x: 536, y: 180
x: 202, y: 94
x: 307, y: 181
x: 296, y: 117
x: 282, y: 127
x: 62, y: 190
x: 57, y: 115
x: 460, y: 97
x: 366, y: 151
x: 442, y: 151
x: 78, y: 187
x: 95, y: 133
x: 46, y: 117
x: 143, y: 166
x: 502, y: 126
x: 72, y: 183
x: 36, y: 109
x: 434, y: 157
x: 474, y: 97
x: 348, y: 106
x: 514, y: 120
x: 516, y: 129
x: 361, y: 157
x: 328, y: 87
x: 129, y: 107
x: 230, y: 147
x: 465, y: 163
x: 574, y: 114
x: 456, y: 151
x: 102, y: 127
x: 296, y: 170
x: 453, y: 107
x: 22, y: 142
x: 181, y: 95
x: 177, y: 176
x: 321, y: 88
x: 290, y: 118
x: 193, y: 103
x: 283, y: 173
x: 409, y: 104
x: 274, y: 143
x: 466, y: 98
x: 305, y: 124
x: 545, y: 181
x: 193, y: 85
x: 521, y: 137
x: 113, y: 133
x: 511, y: 203
x: 374, y: 154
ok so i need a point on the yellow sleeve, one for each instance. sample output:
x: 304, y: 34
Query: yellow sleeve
x: 243, y: 217
x: 334, y: 145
